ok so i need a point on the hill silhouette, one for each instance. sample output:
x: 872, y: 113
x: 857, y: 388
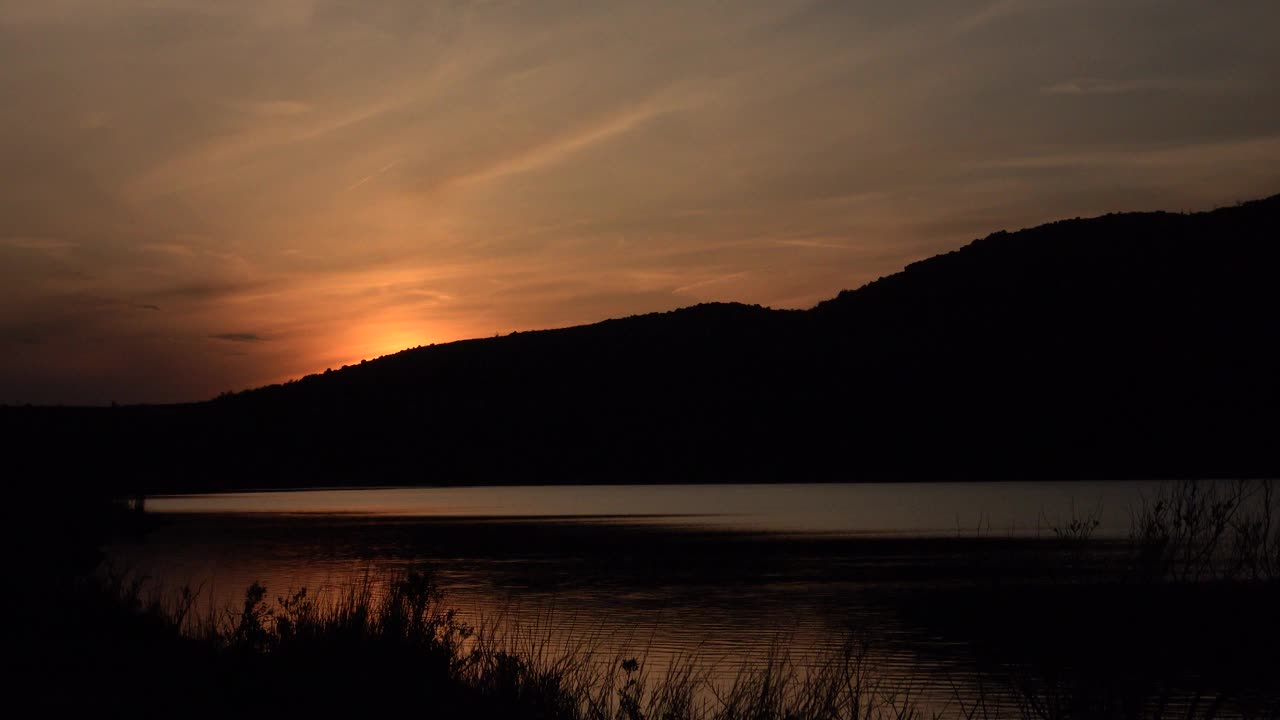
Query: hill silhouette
x: 1129, y: 345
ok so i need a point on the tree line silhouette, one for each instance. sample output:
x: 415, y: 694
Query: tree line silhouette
x: 1128, y: 345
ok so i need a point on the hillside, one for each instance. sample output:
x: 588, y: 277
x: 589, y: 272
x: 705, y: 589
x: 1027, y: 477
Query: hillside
x: 1130, y: 345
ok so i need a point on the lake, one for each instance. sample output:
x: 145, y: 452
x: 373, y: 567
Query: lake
x: 899, y: 509
x: 721, y: 572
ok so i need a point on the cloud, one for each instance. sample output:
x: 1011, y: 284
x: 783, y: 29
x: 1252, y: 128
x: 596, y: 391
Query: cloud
x: 808, y: 243
x: 1097, y: 86
x: 997, y: 11
x: 717, y: 280
x: 1160, y: 160
x: 351, y: 176
x: 38, y: 244
x: 226, y: 157
x: 173, y: 249
x: 1089, y: 87
x: 208, y: 290
x: 381, y: 171
x: 239, y: 337
x: 275, y: 108
x: 561, y: 148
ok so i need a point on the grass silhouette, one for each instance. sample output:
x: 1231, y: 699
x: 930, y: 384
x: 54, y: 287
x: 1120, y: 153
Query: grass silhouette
x: 1108, y: 643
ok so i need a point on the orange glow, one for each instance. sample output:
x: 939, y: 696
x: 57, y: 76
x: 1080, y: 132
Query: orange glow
x: 396, y: 178
x: 389, y: 340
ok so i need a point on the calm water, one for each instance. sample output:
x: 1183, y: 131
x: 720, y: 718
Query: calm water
x: 906, y: 509
x: 720, y: 571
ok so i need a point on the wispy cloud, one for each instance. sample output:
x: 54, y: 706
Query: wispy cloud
x: 275, y: 108
x: 1098, y: 86
x: 1160, y: 158
x: 810, y: 243
x: 38, y: 244
x: 717, y: 280
x: 560, y: 148
x: 1090, y: 87
x: 172, y: 249
x: 347, y: 180
x: 381, y: 171
x: 218, y: 158
x: 994, y: 12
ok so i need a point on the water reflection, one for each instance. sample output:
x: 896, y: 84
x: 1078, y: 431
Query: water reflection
x: 913, y: 509
x: 658, y: 591
x: 724, y: 572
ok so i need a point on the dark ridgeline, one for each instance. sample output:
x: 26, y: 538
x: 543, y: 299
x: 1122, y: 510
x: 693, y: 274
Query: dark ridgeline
x: 1130, y: 345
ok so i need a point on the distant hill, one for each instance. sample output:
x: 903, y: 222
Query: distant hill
x: 1130, y: 345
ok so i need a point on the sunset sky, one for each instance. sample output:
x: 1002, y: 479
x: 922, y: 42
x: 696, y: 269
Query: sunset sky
x: 207, y: 195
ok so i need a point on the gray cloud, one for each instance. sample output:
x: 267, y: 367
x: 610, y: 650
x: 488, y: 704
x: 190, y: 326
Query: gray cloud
x: 239, y: 337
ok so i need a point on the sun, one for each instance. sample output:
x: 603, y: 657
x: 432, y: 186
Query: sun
x: 392, y: 340
x: 372, y: 340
